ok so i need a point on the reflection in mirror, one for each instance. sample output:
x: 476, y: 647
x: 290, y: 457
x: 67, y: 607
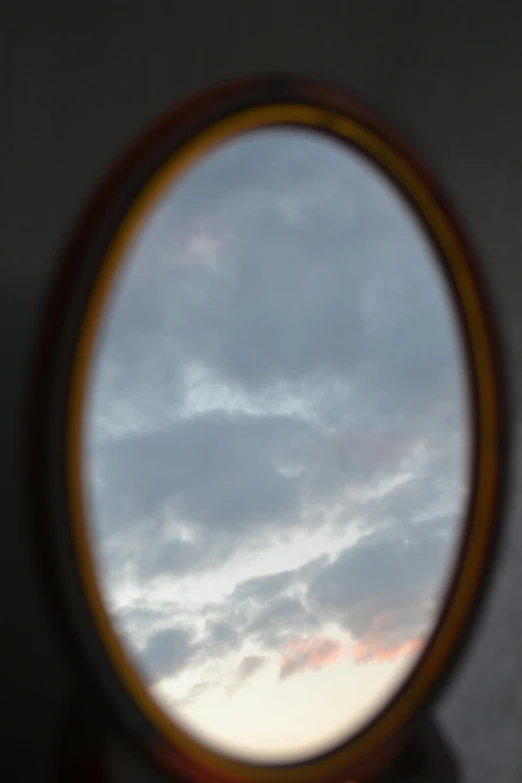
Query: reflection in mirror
x: 276, y: 447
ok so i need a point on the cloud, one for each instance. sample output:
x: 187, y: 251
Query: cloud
x: 381, y: 591
x: 249, y: 666
x: 336, y: 310
x: 279, y: 620
x: 220, y: 637
x: 229, y: 477
x: 219, y: 472
x: 313, y: 653
x: 364, y: 651
x: 167, y: 652
x: 262, y: 589
x: 385, y: 579
x: 196, y: 691
x: 310, y: 653
x: 233, y: 457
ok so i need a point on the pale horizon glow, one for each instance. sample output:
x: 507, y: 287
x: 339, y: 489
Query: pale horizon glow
x: 240, y: 723
x: 276, y: 446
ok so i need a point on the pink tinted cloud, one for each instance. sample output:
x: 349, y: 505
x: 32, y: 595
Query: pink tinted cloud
x: 311, y: 653
x: 363, y: 652
x: 317, y: 652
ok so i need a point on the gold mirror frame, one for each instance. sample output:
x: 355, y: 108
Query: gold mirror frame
x: 64, y: 364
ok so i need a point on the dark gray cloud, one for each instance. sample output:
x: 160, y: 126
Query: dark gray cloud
x: 221, y: 637
x: 383, y: 584
x: 220, y: 472
x: 167, y: 652
x: 276, y: 624
x: 233, y: 494
x: 262, y: 589
x: 292, y: 303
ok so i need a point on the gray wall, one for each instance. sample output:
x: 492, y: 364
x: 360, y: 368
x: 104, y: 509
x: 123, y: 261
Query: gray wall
x: 79, y: 79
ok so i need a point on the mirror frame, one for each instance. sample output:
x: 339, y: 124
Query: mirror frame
x: 61, y: 369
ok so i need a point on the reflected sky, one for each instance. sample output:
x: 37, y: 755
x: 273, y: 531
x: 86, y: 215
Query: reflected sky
x: 276, y: 445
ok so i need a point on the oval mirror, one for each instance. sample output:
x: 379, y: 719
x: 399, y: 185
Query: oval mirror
x: 277, y: 445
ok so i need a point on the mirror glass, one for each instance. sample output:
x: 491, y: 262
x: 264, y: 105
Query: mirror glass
x: 277, y: 445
